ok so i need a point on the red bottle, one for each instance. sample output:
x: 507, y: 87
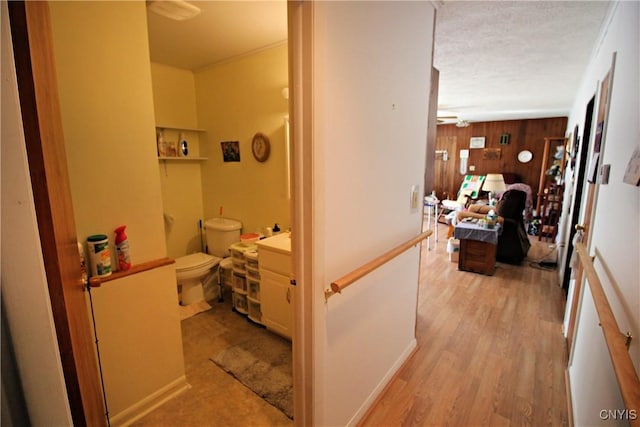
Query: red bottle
x: 122, y: 249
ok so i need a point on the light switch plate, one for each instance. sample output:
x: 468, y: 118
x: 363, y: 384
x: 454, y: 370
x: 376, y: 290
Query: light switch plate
x: 414, y: 198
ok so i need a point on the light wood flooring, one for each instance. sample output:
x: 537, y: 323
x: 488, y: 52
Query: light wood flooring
x: 490, y: 348
x: 215, y: 397
x: 490, y: 352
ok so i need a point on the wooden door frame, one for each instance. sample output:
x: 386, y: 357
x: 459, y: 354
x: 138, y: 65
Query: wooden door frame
x: 591, y: 204
x: 576, y: 210
x: 40, y: 107
x: 35, y: 68
x: 300, y: 30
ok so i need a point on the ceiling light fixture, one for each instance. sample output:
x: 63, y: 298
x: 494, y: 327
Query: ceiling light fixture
x: 462, y: 123
x: 178, y: 10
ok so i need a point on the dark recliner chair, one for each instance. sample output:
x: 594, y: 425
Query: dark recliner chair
x: 513, y: 243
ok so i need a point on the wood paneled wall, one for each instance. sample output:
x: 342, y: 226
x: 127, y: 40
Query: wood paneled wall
x: 526, y: 134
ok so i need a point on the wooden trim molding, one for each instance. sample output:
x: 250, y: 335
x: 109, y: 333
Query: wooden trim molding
x: 96, y: 282
x: 39, y: 102
x: 300, y: 20
x: 338, y: 285
x: 625, y: 372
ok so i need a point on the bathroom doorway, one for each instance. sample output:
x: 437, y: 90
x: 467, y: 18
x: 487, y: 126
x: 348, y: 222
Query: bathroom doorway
x: 225, y: 100
x: 59, y: 308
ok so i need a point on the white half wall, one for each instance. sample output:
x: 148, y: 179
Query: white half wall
x: 616, y: 224
x: 372, y: 67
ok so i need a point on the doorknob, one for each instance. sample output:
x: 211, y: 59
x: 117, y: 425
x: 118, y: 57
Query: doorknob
x: 580, y: 227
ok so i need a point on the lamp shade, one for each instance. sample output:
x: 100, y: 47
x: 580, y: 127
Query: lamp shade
x: 494, y: 182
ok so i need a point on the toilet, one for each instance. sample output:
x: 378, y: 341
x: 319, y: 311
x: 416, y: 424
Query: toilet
x: 194, y: 271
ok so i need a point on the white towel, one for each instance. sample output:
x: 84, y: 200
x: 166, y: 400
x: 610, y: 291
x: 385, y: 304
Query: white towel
x: 187, y: 311
x: 574, y: 263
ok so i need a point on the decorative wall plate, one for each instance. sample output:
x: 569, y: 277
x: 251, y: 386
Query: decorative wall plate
x: 260, y: 146
x: 525, y: 156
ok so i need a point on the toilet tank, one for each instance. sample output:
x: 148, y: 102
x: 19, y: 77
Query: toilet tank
x: 221, y: 233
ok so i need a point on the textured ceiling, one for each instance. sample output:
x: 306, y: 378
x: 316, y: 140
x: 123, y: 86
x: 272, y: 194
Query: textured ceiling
x: 498, y: 60
x: 513, y: 59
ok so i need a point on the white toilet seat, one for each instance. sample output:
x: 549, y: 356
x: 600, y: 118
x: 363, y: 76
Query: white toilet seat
x: 195, y: 265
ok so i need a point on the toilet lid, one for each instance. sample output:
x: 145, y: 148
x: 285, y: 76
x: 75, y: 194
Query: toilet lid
x: 195, y: 261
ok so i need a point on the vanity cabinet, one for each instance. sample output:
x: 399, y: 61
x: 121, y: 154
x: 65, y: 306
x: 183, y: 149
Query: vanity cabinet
x: 276, y: 291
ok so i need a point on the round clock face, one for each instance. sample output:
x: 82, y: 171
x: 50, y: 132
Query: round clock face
x: 260, y: 147
x: 525, y: 156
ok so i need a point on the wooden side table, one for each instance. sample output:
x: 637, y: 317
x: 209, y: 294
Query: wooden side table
x: 478, y: 247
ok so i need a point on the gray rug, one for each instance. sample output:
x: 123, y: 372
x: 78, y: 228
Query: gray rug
x: 263, y: 364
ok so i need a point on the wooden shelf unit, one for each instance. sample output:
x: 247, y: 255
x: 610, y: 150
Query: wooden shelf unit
x: 173, y: 134
x: 551, y: 211
x: 550, y: 148
x: 183, y: 159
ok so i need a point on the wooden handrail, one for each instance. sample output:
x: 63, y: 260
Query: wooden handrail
x: 338, y: 285
x: 616, y: 341
x: 95, y: 282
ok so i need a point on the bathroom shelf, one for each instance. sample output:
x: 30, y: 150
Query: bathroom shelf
x: 96, y: 282
x: 179, y: 128
x: 183, y: 159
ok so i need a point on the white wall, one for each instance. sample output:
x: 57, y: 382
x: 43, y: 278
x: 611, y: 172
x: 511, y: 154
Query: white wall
x: 372, y: 67
x: 616, y: 224
x: 25, y: 295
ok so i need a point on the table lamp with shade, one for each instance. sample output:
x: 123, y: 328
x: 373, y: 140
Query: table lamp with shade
x: 494, y: 184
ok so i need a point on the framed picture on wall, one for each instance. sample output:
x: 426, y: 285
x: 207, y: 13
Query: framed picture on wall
x: 230, y: 151
x: 477, y: 142
x: 491, y: 154
x: 632, y: 173
x: 601, y: 122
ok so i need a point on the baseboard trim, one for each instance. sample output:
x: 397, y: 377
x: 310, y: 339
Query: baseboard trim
x: 567, y: 384
x: 149, y: 403
x: 378, y: 391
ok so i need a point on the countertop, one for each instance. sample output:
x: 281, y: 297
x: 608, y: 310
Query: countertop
x: 279, y: 243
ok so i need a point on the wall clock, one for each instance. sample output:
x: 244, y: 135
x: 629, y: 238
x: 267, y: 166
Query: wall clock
x: 525, y: 156
x: 260, y: 146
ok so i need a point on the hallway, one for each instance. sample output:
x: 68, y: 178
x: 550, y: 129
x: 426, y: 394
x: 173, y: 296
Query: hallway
x: 490, y: 348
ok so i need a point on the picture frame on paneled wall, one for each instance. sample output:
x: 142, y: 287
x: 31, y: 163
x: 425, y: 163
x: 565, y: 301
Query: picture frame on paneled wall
x: 477, y: 142
x: 491, y: 154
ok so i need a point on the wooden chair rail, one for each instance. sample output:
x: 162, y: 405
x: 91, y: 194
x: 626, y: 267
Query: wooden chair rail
x: 616, y: 341
x: 96, y: 282
x: 338, y: 285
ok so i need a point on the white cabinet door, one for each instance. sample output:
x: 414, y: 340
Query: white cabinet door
x: 276, y: 298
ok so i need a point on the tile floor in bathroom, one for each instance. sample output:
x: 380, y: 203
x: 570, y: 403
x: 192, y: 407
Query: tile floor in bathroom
x: 215, y: 397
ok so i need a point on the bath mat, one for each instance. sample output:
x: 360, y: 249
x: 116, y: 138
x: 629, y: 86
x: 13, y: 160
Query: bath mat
x: 187, y: 311
x: 263, y: 364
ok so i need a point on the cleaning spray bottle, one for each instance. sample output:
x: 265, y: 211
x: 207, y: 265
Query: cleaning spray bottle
x: 122, y: 249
